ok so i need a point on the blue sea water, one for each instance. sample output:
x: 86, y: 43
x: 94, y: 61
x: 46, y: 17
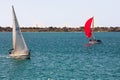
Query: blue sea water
x: 62, y: 56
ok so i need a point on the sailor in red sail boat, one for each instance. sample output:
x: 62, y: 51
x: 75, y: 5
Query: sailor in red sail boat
x: 94, y: 41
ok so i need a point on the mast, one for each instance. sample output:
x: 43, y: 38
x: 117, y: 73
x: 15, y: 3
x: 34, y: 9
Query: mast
x: 13, y: 30
x: 93, y: 37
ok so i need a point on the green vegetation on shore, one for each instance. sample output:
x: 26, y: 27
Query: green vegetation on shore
x: 63, y: 29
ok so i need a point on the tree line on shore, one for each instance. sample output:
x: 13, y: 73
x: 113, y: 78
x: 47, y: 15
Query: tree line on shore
x: 61, y: 29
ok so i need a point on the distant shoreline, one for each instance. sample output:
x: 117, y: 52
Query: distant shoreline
x: 63, y: 29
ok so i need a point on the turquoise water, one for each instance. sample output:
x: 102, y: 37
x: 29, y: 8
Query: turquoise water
x: 62, y: 56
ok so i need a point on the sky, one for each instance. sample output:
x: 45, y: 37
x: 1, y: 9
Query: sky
x: 60, y: 13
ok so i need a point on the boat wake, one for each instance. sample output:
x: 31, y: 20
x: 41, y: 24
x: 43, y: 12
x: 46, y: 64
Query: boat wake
x: 4, y: 56
x: 88, y: 45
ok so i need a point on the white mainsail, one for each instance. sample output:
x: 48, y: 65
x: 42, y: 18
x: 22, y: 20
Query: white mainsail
x: 20, y: 49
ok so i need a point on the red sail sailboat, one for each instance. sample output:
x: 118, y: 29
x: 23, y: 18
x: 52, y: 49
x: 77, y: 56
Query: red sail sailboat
x: 89, y: 31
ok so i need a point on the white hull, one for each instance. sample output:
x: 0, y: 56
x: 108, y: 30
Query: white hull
x: 20, y: 55
x: 95, y: 42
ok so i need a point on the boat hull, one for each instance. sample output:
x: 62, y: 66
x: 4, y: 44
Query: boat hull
x: 20, y: 55
x: 95, y: 41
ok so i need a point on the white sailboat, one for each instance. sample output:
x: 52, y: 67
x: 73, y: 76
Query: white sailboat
x: 20, y: 50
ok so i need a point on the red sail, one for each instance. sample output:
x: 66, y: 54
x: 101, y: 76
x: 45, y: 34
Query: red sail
x: 87, y: 28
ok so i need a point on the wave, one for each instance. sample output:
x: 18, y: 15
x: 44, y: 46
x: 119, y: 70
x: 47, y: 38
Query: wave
x: 4, y: 56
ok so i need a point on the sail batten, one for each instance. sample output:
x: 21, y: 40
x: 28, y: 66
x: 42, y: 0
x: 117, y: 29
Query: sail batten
x: 87, y: 27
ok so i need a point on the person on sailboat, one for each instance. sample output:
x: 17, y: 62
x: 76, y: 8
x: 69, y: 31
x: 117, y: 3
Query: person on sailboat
x: 93, y: 41
x: 10, y: 50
